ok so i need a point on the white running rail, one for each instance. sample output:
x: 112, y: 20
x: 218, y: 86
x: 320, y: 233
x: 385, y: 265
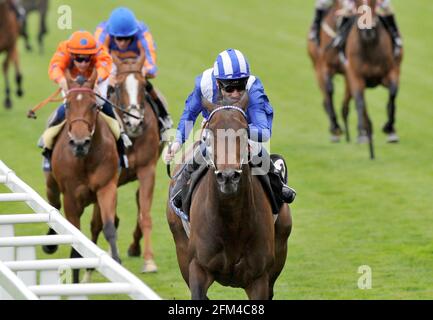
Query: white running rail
x: 18, y: 263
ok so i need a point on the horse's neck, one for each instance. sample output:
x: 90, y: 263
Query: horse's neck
x: 234, y: 207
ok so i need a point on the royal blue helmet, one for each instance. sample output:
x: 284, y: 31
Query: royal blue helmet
x: 231, y: 64
x: 122, y: 23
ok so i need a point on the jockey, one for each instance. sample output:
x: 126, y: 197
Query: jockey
x: 383, y: 8
x: 229, y: 78
x: 126, y: 37
x: 81, y: 55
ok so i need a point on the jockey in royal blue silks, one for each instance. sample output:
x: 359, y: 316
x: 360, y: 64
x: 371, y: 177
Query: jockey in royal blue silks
x: 230, y: 78
x: 126, y: 37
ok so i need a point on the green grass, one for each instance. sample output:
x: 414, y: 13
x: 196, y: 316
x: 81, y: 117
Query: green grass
x: 350, y: 211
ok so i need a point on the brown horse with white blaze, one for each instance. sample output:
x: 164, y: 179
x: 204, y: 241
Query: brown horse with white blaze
x: 9, y: 30
x: 84, y: 164
x: 371, y: 62
x: 141, y: 125
x: 233, y: 239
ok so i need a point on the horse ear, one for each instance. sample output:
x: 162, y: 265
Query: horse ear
x: 93, y: 77
x: 243, y: 102
x: 116, y: 60
x: 141, y: 59
x: 208, y: 105
x: 69, y: 78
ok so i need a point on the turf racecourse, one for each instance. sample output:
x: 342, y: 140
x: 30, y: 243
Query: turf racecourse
x: 350, y: 211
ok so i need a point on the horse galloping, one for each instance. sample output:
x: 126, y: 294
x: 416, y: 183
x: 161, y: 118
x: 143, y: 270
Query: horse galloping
x: 327, y: 64
x: 371, y: 62
x: 9, y: 29
x: 233, y: 239
x: 41, y: 6
x: 141, y: 125
x: 84, y: 164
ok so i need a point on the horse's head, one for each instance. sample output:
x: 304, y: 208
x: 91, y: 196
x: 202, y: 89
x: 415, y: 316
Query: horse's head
x: 226, y: 139
x: 81, y: 113
x: 130, y: 93
x: 367, y: 20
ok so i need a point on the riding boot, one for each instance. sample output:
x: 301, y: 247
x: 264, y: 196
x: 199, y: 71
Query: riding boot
x: 182, y: 181
x: 343, y: 30
x: 164, y: 120
x: 19, y: 11
x: 108, y: 110
x: 279, y: 187
x: 314, y: 34
x: 391, y: 26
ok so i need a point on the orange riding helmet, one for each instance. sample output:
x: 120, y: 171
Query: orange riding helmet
x: 82, y: 42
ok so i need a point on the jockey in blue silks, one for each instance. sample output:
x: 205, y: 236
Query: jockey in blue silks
x: 126, y: 37
x: 230, y: 78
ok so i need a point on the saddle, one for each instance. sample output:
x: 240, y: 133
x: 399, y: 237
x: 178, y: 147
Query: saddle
x: 269, y: 182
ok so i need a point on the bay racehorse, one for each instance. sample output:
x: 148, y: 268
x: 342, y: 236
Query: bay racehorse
x: 371, y: 62
x: 9, y: 30
x: 327, y: 64
x: 40, y: 6
x: 232, y: 236
x: 130, y: 94
x: 84, y: 164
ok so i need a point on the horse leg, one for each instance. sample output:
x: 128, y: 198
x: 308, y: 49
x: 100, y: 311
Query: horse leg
x: 259, y: 289
x: 134, y: 249
x: 18, y: 75
x: 25, y: 34
x: 327, y: 87
x: 283, y: 228
x: 345, y: 110
x: 53, y: 196
x: 42, y: 30
x: 107, y: 200
x: 73, y: 212
x: 146, y: 178
x: 365, y: 127
x: 181, y: 241
x: 7, y: 102
x: 199, y: 281
x: 388, y: 128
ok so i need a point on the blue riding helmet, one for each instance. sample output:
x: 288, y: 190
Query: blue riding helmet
x: 122, y: 23
x: 231, y: 64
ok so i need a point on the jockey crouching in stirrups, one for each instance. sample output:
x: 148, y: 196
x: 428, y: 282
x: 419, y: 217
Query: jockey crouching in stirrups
x: 229, y: 78
x: 124, y: 36
x: 81, y: 55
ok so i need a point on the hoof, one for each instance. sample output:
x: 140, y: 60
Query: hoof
x: 20, y: 93
x: 363, y: 139
x: 335, y: 138
x: 50, y: 249
x: 134, y: 251
x: 149, y: 266
x: 8, y: 103
x: 392, y: 138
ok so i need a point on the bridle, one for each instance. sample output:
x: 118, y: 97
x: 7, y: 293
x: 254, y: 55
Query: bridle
x: 205, y: 137
x: 91, y: 127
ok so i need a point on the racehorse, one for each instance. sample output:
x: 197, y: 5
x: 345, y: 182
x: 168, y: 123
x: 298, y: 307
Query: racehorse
x: 40, y: 6
x: 9, y: 29
x: 232, y: 236
x: 84, y: 163
x: 371, y: 62
x: 327, y: 64
x: 131, y: 96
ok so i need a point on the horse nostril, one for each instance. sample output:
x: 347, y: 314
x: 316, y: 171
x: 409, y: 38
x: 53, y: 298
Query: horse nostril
x: 71, y: 142
x: 86, y: 142
x: 236, y: 176
x: 220, y: 177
